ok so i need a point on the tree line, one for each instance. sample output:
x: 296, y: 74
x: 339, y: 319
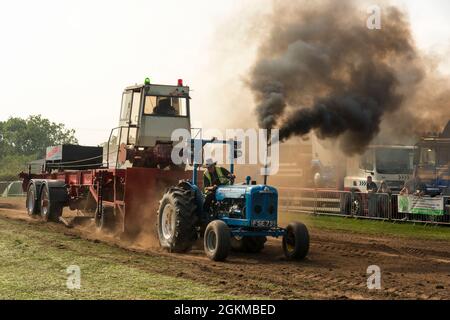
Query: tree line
x: 25, y: 140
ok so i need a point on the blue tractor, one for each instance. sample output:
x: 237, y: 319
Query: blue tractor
x: 240, y: 218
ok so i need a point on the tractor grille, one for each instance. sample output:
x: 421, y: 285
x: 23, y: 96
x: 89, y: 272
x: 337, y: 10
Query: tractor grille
x: 264, y: 205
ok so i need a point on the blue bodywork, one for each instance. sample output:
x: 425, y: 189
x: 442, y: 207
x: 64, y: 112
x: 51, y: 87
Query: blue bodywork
x: 253, y: 210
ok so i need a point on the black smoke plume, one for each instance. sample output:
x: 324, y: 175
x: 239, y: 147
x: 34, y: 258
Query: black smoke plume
x: 322, y: 69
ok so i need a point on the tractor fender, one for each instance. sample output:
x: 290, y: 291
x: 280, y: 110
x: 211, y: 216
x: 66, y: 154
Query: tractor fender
x: 199, y: 198
x: 57, y: 190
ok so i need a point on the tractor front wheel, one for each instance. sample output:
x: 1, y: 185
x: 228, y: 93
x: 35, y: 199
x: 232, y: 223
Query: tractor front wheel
x: 296, y: 241
x: 217, y: 240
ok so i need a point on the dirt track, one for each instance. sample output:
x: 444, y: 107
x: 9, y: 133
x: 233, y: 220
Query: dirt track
x: 335, y: 268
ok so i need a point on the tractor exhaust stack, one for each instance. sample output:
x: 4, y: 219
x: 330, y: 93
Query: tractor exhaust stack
x: 266, y: 164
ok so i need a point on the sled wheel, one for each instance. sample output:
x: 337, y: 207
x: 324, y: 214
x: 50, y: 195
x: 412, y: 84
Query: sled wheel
x: 50, y: 210
x: 32, y: 202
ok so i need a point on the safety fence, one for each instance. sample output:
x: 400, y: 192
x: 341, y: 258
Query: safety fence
x: 378, y: 206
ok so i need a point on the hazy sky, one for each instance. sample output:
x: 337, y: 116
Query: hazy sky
x: 70, y: 60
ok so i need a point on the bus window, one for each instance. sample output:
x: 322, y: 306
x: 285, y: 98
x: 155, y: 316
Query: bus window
x: 366, y: 161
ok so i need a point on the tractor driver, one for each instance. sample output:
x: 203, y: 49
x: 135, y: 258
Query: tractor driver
x: 213, y: 177
x: 164, y: 107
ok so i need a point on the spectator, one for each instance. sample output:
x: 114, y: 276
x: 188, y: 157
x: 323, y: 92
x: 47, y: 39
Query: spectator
x: 414, y: 186
x: 371, y: 186
x: 372, y: 189
x: 384, y: 200
x: 384, y: 188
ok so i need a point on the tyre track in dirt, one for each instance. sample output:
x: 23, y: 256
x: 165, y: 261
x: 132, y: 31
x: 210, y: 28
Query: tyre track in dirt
x: 335, y: 268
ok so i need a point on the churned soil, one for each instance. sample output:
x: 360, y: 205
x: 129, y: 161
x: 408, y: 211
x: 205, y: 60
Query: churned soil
x: 336, y: 267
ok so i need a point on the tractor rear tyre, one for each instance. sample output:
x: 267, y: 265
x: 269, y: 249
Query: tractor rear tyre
x: 51, y: 210
x: 296, y: 241
x: 248, y: 244
x: 177, y: 220
x: 32, y: 201
x: 217, y: 240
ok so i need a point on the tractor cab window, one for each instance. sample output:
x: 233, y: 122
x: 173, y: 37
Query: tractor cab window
x: 165, y: 106
x: 135, y: 108
x: 126, y: 106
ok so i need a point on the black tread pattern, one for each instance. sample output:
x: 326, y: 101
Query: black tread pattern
x: 55, y: 208
x: 301, y: 235
x: 220, y: 228
x: 185, y: 206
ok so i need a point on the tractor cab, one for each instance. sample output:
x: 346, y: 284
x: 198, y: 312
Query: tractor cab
x: 432, y: 161
x: 148, y: 116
